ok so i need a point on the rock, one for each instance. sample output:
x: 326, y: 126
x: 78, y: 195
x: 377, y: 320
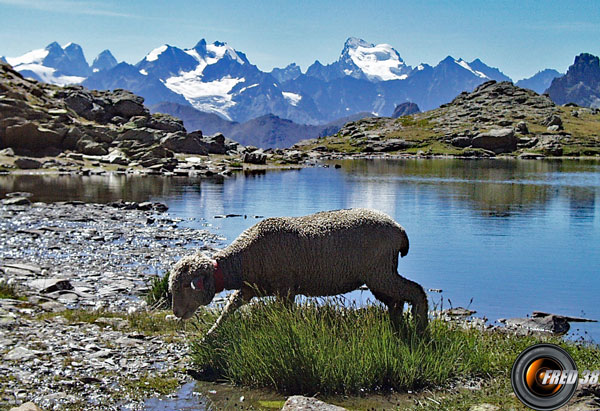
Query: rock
x: 31, y: 136
x: 554, y: 324
x: 461, y: 142
x: 20, y: 354
x: 531, y: 156
x: 8, y: 152
x: 92, y: 148
x: 27, y: 163
x: 522, y: 127
x: 256, y: 157
x: 484, y: 407
x: 181, y: 142
x: 50, y: 285
x: 497, y: 140
x: 28, y: 406
x: 16, y: 201
x: 117, y: 157
x: 19, y: 194
x: 127, y: 105
x: 553, y: 120
x: 299, y: 402
x: 554, y: 128
x: 214, y: 144
x: 405, y: 109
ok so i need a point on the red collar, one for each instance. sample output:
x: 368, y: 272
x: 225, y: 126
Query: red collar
x: 219, y: 279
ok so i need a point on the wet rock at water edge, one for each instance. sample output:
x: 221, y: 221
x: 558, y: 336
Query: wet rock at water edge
x: 299, y: 402
x: 26, y: 163
x: 16, y: 201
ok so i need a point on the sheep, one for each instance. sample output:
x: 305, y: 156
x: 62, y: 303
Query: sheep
x: 323, y: 254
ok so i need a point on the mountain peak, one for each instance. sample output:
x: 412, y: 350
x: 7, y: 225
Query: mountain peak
x: 354, y: 42
x: 104, y: 61
x: 380, y: 62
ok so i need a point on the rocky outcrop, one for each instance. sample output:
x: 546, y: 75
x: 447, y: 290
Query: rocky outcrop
x: 38, y: 118
x: 581, y: 84
x: 405, y: 109
x: 496, y: 140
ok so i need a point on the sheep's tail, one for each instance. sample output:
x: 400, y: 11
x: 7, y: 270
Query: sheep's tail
x: 403, y: 242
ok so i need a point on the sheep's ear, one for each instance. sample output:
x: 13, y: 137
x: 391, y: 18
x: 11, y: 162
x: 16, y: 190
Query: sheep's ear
x: 197, y: 284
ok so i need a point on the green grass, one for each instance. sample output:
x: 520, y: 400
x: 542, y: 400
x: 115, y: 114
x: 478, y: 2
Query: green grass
x: 158, y: 295
x: 10, y: 292
x: 331, y: 349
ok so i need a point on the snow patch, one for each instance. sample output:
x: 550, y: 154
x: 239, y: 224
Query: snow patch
x: 246, y: 88
x: 292, y: 98
x: 33, y: 57
x: 420, y: 67
x: 48, y: 74
x: 153, y: 55
x: 466, y: 66
x: 213, y: 96
x: 143, y: 72
x: 219, y: 50
x: 380, y: 62
x: 95, y: 70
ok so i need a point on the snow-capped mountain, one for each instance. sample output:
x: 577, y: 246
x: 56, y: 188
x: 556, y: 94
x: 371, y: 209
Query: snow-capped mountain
x: 216, y: 78
x: 104, y: 61
x: 53, y: 64
x: 362, y: 60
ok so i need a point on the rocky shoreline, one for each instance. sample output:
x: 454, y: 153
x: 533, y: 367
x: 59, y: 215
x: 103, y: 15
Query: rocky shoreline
x: 69, y: 256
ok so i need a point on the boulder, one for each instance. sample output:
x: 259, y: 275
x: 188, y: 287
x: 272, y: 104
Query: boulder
x: 50, y: 285
x: 522, y: 128
x: 553, y: 120
x: 31, y: 136
x: 28, y: 406
x: 256, y: 157
x: 554, y: 128
x: 180, y: 142
x: 126, y: 104
x: 92, y: 148
x: 19, y: 201
x: 8, y: 152
x: 299, y: 402
x: 461, y: 142
x: 405, y: 109
x: 26, y: 163
x: 165, y: 122
x: 501, y: 140
x: 143, y: 135
x: 214, y: 144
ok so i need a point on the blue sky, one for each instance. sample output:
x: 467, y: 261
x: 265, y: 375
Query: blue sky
x: 519, y: 37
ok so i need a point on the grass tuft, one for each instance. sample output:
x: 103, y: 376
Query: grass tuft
x: 10, y: 292
x: 158, y: 295
x: 329, y: 349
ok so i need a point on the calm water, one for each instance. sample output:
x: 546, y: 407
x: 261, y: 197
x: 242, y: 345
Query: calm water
x: 514, y: 236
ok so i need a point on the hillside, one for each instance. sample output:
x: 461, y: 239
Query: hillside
x: 496, y: 118
x: 268, y: 131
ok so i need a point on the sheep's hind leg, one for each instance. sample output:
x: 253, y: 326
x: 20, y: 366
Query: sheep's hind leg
x: 394, y: 291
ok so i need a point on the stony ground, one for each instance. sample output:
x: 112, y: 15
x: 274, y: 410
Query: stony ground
x: 84, y: 338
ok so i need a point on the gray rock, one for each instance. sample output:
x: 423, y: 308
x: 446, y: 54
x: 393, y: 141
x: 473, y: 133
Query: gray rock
x: 531, y: 156
x: 28, y: 406
x: 8, y: 152
x: 26, y: 163
x: 461, y: 142
x: 392, y: 144
x: 484, y: 407
x: 31, y: 136
x: 554, y: 128
x: 522, y: 128
x: 49, y: 285
x: 299, y: 402
x: 93, y: 149
x: 256, y: 157
x: 16, y: 201
x: 497, y: 140
x: 553, y: 120
x: 20, y: 354
x: 553, y: 324
x: 181, y: 142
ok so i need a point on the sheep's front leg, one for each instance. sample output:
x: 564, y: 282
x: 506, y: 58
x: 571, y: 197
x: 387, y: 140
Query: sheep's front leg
x: 234, y: 302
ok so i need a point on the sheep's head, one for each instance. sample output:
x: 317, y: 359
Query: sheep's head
x: 192, y: 284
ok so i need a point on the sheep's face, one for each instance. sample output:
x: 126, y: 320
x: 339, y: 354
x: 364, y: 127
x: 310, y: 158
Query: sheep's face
x: 192, y: 284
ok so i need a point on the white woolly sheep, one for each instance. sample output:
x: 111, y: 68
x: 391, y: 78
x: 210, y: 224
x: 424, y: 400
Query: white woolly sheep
x: 322, y: 254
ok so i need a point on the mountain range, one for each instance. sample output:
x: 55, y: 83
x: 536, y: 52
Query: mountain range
x: 215, y: 78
